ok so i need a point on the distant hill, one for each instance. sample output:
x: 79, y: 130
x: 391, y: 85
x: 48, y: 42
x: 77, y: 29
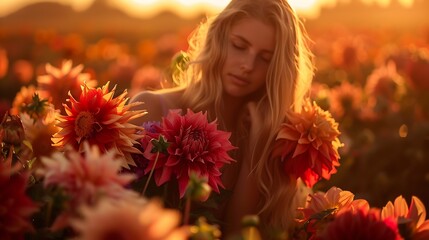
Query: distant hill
x: 100, y: 17
x: 355, y: 14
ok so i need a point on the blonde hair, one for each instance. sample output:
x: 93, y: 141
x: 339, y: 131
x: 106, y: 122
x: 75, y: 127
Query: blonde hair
x: 288, y: 79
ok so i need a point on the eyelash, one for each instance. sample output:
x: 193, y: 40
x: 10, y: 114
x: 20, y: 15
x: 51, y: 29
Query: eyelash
x: 241, y: 48
x: 237, y: 46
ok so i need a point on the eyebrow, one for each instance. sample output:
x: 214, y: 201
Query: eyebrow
x: 247, y: 42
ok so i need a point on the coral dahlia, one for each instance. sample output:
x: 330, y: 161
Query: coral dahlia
x: 415, y: 213
x: 308, y: 144
x: 102, y: 120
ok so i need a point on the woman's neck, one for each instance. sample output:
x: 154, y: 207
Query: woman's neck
x: 231, y: 110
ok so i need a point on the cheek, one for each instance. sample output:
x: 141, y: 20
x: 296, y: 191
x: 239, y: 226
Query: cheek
x: 262, y: 75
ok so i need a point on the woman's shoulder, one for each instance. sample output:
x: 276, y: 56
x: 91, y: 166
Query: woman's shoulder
x: 157, y: 103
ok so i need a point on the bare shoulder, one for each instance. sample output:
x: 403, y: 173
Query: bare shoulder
x: 157, y: 103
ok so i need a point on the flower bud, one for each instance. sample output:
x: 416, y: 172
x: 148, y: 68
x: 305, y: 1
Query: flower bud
x: 201, y: 192
x: 198, y: 188
x: 13, y: 131
x: 250, y: 221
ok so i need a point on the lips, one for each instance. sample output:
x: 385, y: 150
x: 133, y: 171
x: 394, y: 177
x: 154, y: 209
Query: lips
x: 238, y: 80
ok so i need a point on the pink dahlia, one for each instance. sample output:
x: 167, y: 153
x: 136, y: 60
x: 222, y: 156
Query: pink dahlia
x: 100, y: 119
x: 129, y: 220
x: 361, y: 224
x: 308, y: 144
x: 84, y: 178
x: 415, y: 213
x: 16, y: 207
x: 195, y: 145
x: 58, y: 82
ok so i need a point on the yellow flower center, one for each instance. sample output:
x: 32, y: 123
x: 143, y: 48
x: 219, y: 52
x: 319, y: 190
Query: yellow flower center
x: 84, y: 124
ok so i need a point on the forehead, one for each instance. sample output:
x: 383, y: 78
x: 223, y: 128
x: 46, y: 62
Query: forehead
x: 255, y: 31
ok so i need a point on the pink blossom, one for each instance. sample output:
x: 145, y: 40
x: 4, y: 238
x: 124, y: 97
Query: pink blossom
x: 195, y: 145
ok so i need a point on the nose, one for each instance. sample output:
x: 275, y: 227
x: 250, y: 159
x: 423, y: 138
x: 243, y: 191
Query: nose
x: 248, y: 63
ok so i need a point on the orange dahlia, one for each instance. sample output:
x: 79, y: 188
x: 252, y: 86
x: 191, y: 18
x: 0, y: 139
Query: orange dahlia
x: 57, y: 82
x: 102, y: 120
x: 308, y: 144
x: 385, y: 88
x: 129, y: 220
x: 322, y: 207
x: 345, y: 99
x: 334, y: 198
x: 39, y: 127
x: 22, y: 98
x: 414, y: 214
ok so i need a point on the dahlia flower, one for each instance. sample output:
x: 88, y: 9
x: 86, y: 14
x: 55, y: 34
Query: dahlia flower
x: 22, y: 98
x: 345, y: 98
x: 129, y: 220
x: 322, y: 207
x: 349, y: 53
x: 4, y: 62
x: 84, y: 178
x: 385, y: 87
x: 416, y: 213
x: 13, y: 131
x: 360, y: 224
x: 16, y: 207
x: 39, y: 129
x: 101, y: 120
x: 195, y: 145
x: 334, y: 198
x: 22, y: 71
x: 418, y: 70
x: 58, y: 82
x: 308, y: 144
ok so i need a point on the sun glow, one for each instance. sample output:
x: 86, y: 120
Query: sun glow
x: 187, y: 8
x: 190, y: 8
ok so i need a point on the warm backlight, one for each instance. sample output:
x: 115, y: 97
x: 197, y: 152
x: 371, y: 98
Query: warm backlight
x: 185, y: 8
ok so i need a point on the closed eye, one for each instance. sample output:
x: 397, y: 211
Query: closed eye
x: 239, y: 46
x: 266, y: 58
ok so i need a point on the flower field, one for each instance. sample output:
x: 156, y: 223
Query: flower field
x: 72, y: 159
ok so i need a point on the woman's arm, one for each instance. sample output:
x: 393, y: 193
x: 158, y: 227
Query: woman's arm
x: 246, y: 197
x: 244, y: 200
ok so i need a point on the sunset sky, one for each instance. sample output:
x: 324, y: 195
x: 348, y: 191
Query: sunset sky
x: 186, y: 8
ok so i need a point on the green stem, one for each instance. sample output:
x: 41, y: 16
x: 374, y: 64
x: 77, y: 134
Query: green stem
x: 187, y: 210
x: 150, y: 174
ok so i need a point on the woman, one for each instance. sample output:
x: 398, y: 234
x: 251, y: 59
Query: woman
x: 248, y: 67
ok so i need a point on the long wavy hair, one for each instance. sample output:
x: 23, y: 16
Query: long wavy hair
x: 288, y: 80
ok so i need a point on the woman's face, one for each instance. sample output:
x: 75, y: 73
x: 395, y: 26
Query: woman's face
x: 250, y: 49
